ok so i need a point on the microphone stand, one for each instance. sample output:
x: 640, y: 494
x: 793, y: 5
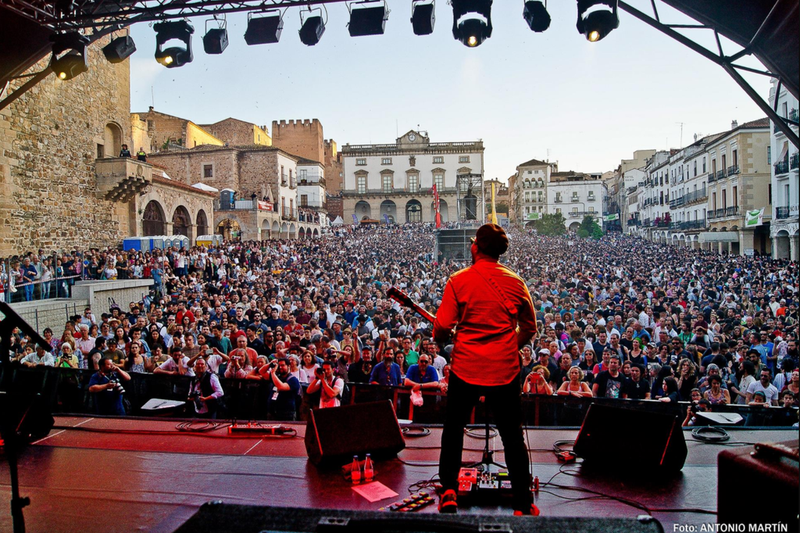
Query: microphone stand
x: 9, y: 424
x: 487, y: 459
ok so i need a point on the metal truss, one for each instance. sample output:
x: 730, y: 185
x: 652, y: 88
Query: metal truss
x: 96, y: 18
x: 727, y: 62
x: 96, y: 15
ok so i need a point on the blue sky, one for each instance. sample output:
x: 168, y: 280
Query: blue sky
x: 526, y: 95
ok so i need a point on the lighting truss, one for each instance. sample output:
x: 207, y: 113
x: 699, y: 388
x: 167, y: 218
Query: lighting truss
x: 727, y: 62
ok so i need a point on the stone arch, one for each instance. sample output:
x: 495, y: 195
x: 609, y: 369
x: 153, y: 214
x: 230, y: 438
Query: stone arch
x: 182, y: 222
x: 574, y: 226
x: 153, y: 220
x: 316, y: 233
x: 112, y: 140
x: 292, y: 231
x: 388, y: 208
x: 276, y: 230
x: 301, y: 233
x: 284, y: 231
x: 363, y: 210
x: 202, y: 223
x: 266, y: 230
x: 782, y: 248
x: 229, y: 229
x: 413, y: 211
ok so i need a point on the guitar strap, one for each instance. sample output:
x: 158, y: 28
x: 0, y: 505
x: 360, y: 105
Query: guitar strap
x: 498, y: 291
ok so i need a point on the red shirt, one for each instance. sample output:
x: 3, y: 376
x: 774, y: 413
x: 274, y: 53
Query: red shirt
x: 488, y: 338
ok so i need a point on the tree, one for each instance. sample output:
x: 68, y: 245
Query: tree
x: 590, y: 228
x: 551, y: 224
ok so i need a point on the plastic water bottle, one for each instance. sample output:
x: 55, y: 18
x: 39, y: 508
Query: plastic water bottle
x: 369, y: 469
x: 355, y: 471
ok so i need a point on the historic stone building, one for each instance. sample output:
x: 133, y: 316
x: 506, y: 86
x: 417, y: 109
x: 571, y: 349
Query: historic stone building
x: 167, y: 130
x: 263, y: 181
x: 394, y: 182
x: 63, y: 186
x: 235, y: 132
x: 529, y: 190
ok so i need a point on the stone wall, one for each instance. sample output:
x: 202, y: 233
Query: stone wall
x: 238, y: 133
x: 101, y: 294
x: 51, y: 314
x: 187, y: 166
x: 302, y: 138
x: 49, y: 140
x: 334, y: 169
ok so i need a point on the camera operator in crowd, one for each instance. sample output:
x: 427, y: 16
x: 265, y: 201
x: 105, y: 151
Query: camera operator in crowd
x: 205, y: 390
x: 285, y: 388
x: 330, y: 386
x: 107, y: 388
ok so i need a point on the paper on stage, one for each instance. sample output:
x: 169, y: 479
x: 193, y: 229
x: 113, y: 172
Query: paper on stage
x: 375, y: 491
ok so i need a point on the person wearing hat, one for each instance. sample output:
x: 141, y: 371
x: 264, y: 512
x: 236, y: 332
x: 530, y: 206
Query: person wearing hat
x: 491, y: 310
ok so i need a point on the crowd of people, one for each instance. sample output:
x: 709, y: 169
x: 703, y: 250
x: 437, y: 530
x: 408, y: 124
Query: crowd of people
x: 619, y: 317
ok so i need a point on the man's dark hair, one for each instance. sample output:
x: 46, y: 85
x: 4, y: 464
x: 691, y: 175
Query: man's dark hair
x: 99, y: 341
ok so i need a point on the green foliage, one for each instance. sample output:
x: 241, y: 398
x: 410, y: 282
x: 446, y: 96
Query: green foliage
x: 590, y: 228
x: 551, y: 224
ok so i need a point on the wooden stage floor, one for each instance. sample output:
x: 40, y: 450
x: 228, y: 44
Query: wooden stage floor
x: 125, y: 474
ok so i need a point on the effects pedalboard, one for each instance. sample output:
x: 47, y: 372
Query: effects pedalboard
x: 472, y: 481
x: 415, y: 502
x: 261, y: 429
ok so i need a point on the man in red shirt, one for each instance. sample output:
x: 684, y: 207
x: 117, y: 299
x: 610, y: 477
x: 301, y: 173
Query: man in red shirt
x: 492, y: 313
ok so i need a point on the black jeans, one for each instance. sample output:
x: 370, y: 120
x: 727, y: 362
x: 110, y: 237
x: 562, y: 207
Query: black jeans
x: 506, y: 406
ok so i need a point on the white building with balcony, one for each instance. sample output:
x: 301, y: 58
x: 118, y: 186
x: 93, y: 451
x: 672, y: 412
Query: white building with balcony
x: 575, y: 195
x: 784, y: 230
x: 394, y: 182
x: 530, y: 192
x: 312, y: 192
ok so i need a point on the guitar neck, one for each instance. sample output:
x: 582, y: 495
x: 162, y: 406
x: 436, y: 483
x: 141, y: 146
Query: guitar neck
x: 425, y: 314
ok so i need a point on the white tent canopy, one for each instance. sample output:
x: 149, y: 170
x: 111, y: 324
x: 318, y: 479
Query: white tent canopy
x: 203, y: 187
x: 337, y: 221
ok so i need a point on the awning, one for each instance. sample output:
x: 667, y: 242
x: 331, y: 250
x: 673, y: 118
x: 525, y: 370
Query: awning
x: 719, y: 236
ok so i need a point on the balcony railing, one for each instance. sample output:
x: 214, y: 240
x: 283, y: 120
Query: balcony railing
x: 712, y: 177
x: 558, y: 200
x: 634, y: 222
x: 782, y: 167
x: 782, y: 213
x: 720, y: 174
x: 289, y: 213
x: 793, y: 162
x: 733, y: 169
x: 793, y: 115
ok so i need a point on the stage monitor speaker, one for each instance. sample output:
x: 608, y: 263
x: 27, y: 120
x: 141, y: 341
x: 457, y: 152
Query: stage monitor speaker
x: 652, y: 441
x: 755, y: 468
x: 334, y: 435
x: 218, y: 517
x: 27, y: 415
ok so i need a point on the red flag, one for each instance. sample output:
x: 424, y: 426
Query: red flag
x: 436, y: 206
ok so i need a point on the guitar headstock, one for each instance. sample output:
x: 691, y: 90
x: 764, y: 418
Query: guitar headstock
x: 399, y: 296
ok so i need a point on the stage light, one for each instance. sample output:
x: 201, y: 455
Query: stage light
x: 597, y: 18
x: 536, y: 15
x: 264, y: 30
x: 472, y: 21
x: 174, y: 56
x: 423, y: 17
x: 312, y: 27
x: 367, y: 18
x: 215, y: 41
x: 72, y: 61
x: 119, y: 49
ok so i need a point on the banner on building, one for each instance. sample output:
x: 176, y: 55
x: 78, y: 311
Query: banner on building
x: 534, y: 216
x: 609, y: 218
x: 436, y: 206
x: 264, y: 206
x: 754, y: 218
x: 385, y: 218
x: 355, y: 219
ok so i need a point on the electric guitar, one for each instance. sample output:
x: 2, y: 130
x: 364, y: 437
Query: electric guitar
x: 405, y: 300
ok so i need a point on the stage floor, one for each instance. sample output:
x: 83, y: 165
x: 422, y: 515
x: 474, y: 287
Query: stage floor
x: 108, y: 474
